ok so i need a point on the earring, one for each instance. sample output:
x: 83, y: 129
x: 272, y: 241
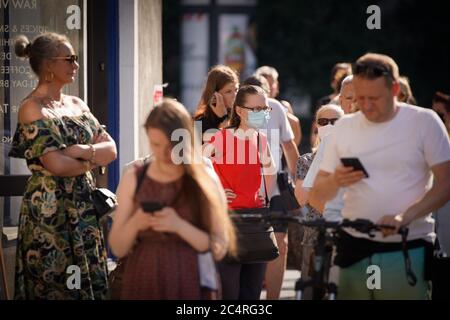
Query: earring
x: 52, y: 76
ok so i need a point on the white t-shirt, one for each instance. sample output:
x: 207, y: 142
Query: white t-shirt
x: 332, y: 211
x: 397, y: 155
x: 333, y: 208
x: 278, y: 131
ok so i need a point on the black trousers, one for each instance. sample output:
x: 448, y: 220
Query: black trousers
x: 440, y: 279
x: 241, y: 281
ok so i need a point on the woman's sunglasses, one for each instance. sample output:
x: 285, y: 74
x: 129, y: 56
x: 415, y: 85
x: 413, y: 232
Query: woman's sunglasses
x: 72, y: 58
x: 325, y: 121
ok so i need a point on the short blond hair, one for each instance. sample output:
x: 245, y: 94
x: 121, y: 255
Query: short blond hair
x: 267, y: 71
x: 366, y: 65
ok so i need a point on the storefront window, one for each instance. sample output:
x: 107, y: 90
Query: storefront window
x: 194, y: 61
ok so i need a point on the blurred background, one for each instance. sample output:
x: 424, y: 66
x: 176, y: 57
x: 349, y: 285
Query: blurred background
x: 303, y: 40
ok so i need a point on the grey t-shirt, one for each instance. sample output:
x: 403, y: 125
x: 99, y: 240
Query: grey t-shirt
x: 278, y: 131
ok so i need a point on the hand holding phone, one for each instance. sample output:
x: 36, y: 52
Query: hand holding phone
x: 151, y: 207
x: 213, y: 100
x: 217, y: 103
x: 355, y: 163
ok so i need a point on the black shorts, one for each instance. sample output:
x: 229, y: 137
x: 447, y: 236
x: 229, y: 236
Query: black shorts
x: 277, y: 205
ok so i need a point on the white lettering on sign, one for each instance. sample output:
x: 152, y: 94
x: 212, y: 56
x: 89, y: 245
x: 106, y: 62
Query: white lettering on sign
x: 5, y: 108
x: 7, y: 139
x: 18, y: 83
x: 18, y: 4
x: 5, y: 55
x: 31, y: 28
x: 15, y: 69
x: 24, y: 28
x: 6, y: 42
x: 4, y: 27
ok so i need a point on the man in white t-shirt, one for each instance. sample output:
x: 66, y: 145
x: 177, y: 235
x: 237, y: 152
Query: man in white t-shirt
x: 281, y: 140
x: 402, y: 148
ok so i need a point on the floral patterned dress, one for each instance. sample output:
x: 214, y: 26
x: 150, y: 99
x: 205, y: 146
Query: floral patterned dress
x: 304, y: 235
x: 58, y: 227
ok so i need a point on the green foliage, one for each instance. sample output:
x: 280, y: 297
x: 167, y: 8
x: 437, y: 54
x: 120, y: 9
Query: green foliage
x: 304, y: 39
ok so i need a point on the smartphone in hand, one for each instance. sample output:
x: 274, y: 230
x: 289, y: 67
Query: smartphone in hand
x: 151, y: 207
x: 355, y: 164
x: 213, y: 100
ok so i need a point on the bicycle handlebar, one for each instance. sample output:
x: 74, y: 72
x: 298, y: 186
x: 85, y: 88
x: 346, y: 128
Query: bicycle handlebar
x: 361, y: 225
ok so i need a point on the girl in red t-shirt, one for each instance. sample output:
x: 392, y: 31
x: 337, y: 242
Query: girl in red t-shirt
x: 238, y: 154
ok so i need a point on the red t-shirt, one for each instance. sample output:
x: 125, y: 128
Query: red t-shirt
x: 237, y: 164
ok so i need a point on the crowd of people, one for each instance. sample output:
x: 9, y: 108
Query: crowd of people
x: 173, y: 232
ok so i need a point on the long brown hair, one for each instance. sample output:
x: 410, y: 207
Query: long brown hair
x: 241, y: 98
x: 218, y: 77
x: 198, y: 186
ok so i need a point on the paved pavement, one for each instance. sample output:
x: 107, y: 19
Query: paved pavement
x: 287, y: 290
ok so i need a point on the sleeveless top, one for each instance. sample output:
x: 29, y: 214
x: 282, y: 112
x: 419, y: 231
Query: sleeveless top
x: 162, y: 266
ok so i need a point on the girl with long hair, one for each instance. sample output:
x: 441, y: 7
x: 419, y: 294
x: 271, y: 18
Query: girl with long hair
x: 168, y: 213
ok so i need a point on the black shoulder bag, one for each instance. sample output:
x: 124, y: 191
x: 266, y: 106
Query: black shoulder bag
x: 104, y: 201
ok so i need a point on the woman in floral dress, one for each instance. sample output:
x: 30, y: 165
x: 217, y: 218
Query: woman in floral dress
x: 59, y: 234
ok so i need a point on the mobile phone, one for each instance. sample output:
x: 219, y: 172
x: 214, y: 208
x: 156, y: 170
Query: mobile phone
x: 355, y: 164
x: 213, y: 99
x: 150, y: 207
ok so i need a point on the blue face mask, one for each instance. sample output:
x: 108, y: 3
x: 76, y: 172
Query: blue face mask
x: 258, y: 120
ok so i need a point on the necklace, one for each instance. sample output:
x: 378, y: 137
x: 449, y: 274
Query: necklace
x: 49, y: 102
x: 55, y: 104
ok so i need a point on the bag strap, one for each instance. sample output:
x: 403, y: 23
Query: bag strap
x: 262, y: 173
x: 142, y: 174
x: 411, y: 277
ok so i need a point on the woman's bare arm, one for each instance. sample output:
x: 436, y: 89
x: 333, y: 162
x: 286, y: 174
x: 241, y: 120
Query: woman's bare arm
x: 63, y: 166
x: 124, y: 230
x: 55, y: 162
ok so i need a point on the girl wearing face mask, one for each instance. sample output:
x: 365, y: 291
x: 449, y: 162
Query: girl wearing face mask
x: 326, y: 116
x: 238, y: 153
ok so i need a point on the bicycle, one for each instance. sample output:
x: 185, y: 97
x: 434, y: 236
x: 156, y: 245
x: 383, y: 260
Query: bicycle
x: 324, y: 246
